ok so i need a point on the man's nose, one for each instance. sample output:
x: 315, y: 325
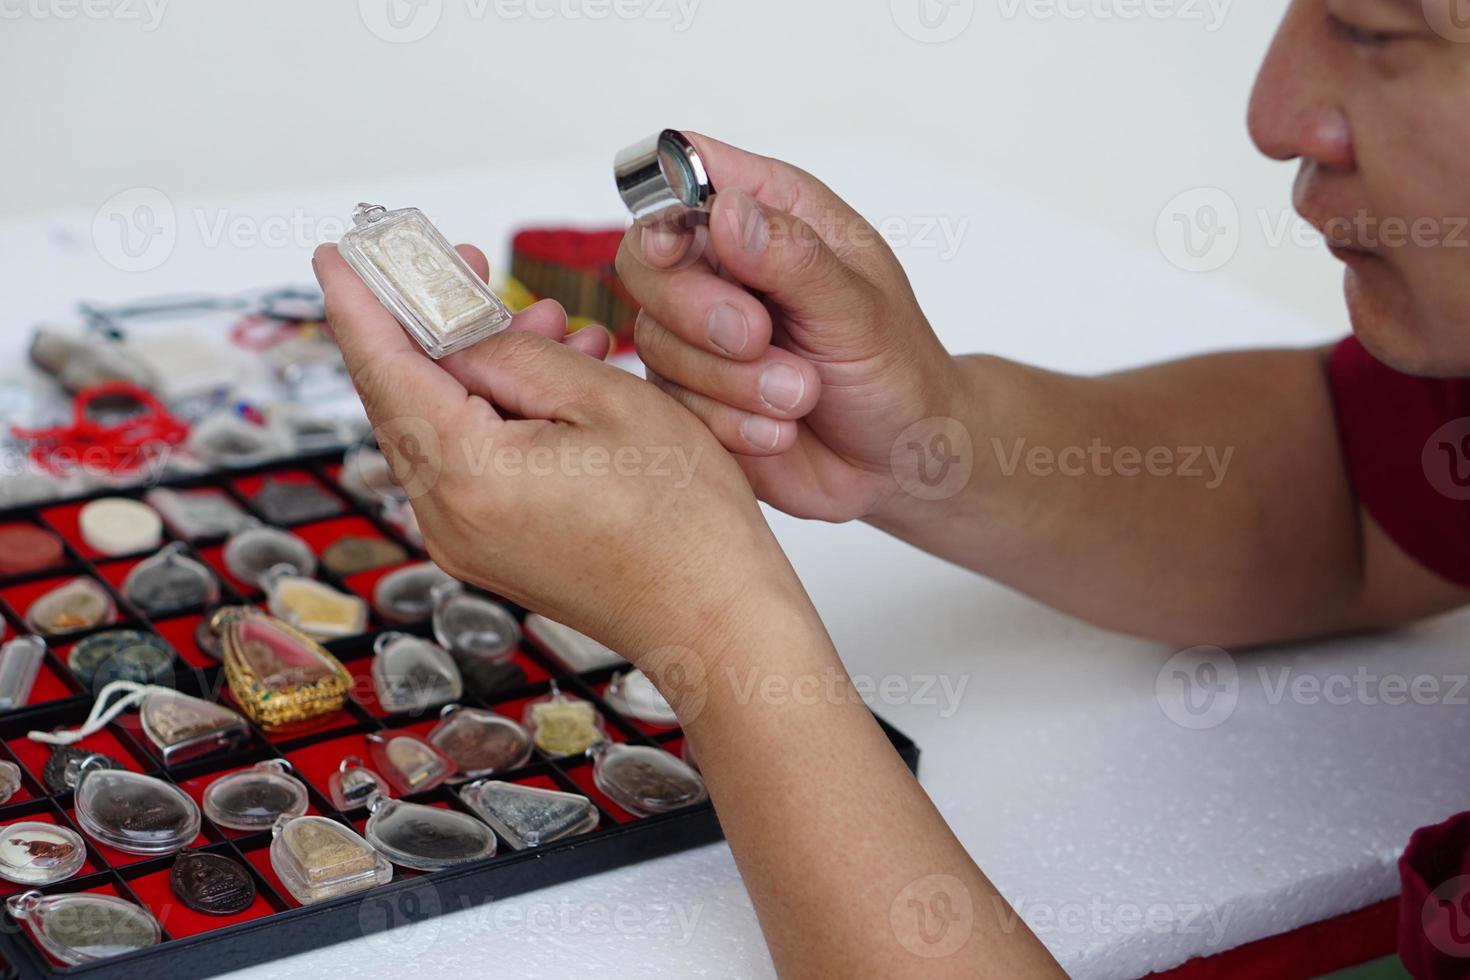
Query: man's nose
x: 1296, y: 109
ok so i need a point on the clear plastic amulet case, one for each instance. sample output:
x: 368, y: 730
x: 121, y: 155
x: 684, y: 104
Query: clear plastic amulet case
x: 421, y: 279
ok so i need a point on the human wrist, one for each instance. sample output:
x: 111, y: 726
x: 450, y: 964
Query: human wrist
x: 935, y: 463
x: 763, y: 630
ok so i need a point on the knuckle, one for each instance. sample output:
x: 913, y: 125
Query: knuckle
x: 649, y: 337
x: 806, y: 257
x: 516, y: 349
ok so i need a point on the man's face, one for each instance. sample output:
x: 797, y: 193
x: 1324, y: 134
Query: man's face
x: 1374, y: 97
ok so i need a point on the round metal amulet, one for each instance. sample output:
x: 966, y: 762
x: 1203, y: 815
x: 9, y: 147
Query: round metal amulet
x: 212, y: 883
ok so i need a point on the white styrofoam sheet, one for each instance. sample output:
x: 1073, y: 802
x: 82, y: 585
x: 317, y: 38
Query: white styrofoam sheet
x: 1130, y: 843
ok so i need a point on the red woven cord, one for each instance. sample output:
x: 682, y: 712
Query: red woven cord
x: 115, y: 448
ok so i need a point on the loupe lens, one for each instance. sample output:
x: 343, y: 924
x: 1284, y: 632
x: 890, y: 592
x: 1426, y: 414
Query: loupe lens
x: 678, y: 171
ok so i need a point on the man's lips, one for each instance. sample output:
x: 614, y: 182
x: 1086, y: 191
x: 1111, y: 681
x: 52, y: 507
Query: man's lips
x: 1341, y: 226
x: 1351, y: 256
x: 1340, y: 233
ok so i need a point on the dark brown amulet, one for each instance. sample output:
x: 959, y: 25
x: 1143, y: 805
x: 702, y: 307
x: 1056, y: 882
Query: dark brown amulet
x: 212, y: 884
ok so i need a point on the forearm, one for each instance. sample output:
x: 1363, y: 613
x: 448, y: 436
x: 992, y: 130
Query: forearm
x: 1200, y: 501
x: 833, y: 836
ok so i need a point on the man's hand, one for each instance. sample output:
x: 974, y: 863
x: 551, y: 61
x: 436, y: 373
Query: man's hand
x: 558, y: 481
x: 790, y: 329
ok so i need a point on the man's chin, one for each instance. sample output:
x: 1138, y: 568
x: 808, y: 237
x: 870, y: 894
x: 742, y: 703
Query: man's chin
x: 1385, y: 324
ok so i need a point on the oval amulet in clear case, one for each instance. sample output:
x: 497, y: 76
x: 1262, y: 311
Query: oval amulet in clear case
x: 82, y: 927
x: 254, y: 799
x: 36, y: 853
x: 420, y: 278
x: 426, y: 838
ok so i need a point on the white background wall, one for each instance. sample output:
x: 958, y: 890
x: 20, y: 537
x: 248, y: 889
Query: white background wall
x: 1095, y: 106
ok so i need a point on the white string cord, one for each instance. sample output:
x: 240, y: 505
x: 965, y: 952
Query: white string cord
x: 102, y: 712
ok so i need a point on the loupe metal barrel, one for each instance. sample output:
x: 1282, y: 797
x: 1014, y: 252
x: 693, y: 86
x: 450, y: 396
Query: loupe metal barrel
x: 662, y: 180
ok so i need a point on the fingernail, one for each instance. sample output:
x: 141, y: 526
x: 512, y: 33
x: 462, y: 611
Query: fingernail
x: 761, y: 432
x: 727, y: 328
x: 747, y: 222
x: 781, y: 387
x: 661, y: 243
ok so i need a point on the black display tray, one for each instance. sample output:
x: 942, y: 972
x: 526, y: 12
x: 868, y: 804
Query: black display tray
x: 195, y: 945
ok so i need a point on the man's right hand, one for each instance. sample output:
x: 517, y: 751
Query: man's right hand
x: 789, y: 327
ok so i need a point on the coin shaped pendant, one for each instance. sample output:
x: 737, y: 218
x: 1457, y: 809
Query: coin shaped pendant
x: 120, y: 526
x: 28, y: 548
x: 480, y: 742
x: 473, y: 627
x: 254, y: 551
x: 255, y: 798
x: 426, y: 838
x: 63, y: 769
x: 78, y: 605
x: 136, y: 813
x: 644, y: 780
x: 529, y: 816
x: 407, y: 595
x: 121, y: 655
x: 35, y: 853
x: 211, y: 883
x: 351, y: 555
x: 84, y: 926
x: 9, y: 780
x: 169, y: 582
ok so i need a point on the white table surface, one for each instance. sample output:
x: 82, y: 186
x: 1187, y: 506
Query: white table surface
x: 1130, y: 843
